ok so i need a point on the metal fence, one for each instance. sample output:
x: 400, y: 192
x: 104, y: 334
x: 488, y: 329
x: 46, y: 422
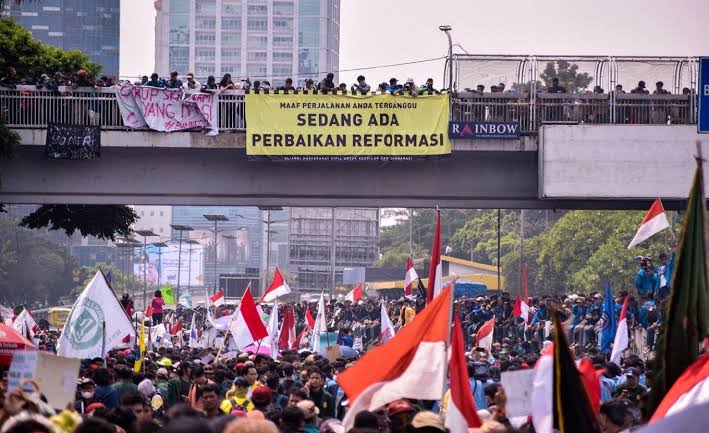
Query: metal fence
x: 31, y: 108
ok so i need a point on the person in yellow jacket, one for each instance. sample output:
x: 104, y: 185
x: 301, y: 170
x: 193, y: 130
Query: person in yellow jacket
x: 406, y: 314
x: 236, y: 398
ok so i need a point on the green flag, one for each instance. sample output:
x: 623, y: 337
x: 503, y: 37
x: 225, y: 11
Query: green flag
x: 167, y: 294
x: 686, y: 321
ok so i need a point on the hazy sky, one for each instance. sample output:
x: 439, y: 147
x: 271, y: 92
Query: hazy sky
x: 381, y: 32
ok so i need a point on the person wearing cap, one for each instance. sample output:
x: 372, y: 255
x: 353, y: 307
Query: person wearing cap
x: 400, y: 414
x: 161, y: 381
x: 427, y: 422
x: 393, y: 87
x: 361, y: 86
x: 640, y: 90
x: 236, y: 398
x: 310, y: 414
x: 191, y: 83
x: 631, y: 389
x: 155, y: 81
x: 87, y: 391
x: 428, y: 88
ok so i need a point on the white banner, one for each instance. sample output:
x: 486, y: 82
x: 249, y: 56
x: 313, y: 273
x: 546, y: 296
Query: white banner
x: 167, y: 110
x: 96, y: 307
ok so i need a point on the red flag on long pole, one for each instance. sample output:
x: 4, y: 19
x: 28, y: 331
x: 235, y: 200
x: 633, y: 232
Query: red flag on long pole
x: 436, y: 269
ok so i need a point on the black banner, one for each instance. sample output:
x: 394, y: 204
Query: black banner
x: 73, y: 141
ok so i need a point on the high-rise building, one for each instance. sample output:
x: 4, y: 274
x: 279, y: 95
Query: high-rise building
x: 154, y: 218
x: 90, y: 26
x: 312, y: 242
x: 259, y: 39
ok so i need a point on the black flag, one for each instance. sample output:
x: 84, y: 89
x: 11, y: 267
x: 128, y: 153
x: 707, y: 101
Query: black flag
x: 420, y: 297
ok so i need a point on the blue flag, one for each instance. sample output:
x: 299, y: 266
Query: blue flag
x: 608, y: 320
x: 109, y: 278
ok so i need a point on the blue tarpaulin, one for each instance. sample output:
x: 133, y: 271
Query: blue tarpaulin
x: 469, y: 289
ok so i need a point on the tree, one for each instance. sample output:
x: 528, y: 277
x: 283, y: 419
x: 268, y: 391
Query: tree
x: 31, y: 58
x: 9, y: 140
x: 31, y: 267
x: 568, y: 76
x: 121, y: 282
x: 101, y: 221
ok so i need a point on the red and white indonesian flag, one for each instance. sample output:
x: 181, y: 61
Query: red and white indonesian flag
x: 484, y: 335
x: 620, y: 343
x: 217, y: 299
x: 411, y: 277
x: 387, y: 332
x: 96, y: 307
x: 462, y: 413
x: 247, y: 325
x: 277, y: 288
x: 655, y: 221
x: 521, y: 308
x: 691, y: 389
x: 355, y: 294
x: 542, y: 400
x: 25, y: 325
x: 286, y: 335
x: 309, y: 319
x: 435, y: 273
x: 411, y: 365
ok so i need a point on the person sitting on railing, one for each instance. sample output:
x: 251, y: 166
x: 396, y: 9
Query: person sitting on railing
x: 9, y: 80
x: 410, y: 87
x: 555, y: 87
x: 598, y: 90
x: 501, y: 88
x: 479, y: 89
x: 640, y: 90
x: 309, y: 86
x: 342, y: 87
x: 288, y: 86
x: 82, y: 79
x: 361, y: 86
x: 394, y: 88
x: 619, y: 89
x: 191, y: 83
x: 328, y: 84
x: 155, y: 81
x: 173, y: 82
x: 42, y: 82
x: 226, y: 83
x: 659, y: 89
x: 210, y: 86
x: 265, y: 85
x: 428, y: 87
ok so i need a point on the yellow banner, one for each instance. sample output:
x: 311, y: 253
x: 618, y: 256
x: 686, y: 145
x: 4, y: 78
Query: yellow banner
x: 306, y: 125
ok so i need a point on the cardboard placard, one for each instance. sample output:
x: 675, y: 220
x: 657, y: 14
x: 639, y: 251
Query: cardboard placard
x: 333, y: 352
x: 518, y: 388
x: 55, y: 375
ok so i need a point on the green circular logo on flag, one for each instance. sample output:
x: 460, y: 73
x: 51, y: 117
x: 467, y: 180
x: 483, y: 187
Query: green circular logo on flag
x: 86, y: 328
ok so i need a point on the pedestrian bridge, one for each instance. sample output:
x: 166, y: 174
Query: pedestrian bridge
x: 577, y: 150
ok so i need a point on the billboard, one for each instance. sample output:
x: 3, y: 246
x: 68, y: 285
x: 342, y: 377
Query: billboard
x: 161, y: 267
x: 326, y: 126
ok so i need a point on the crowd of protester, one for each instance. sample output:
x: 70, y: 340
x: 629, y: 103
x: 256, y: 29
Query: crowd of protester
x: 207, y: 388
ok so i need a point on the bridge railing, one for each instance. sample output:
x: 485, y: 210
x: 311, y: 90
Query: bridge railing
x: 28, y: 107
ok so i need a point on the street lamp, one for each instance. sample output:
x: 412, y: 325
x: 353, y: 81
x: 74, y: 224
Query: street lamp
x: 145, y: 234
x: 180, y: 228
x: 268, y: 223
x: 447, y: 30
x: 190, y: 242
x: 123, y: 244
x: 215, y: 219
x: 160, y: 246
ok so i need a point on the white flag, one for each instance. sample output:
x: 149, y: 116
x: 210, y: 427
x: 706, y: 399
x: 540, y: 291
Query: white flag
x: 97, y: 307
x: 272, y: 328
x: 320, y: 324
x: 387, y: 332
x: 194, y: 338
x: 24, y: 324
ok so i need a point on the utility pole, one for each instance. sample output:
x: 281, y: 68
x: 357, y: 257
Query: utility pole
x: 521, y: 246
x: 411, y: 233
x: 332, y: 256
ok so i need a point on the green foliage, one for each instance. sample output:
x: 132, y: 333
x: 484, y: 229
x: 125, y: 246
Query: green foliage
x: 31, y: 267
x: 121, y: 282
x: 32, y: 58
x: 568, y: 76
x: 101, y: 221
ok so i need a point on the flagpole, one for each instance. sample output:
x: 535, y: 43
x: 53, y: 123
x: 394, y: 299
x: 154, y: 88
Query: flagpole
x: 700, y: 164
x: 103, y: 339
x: 228, y: 330
x: 449, y: 329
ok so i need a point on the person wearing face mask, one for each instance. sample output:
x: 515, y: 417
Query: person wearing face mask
x: 87, y: 391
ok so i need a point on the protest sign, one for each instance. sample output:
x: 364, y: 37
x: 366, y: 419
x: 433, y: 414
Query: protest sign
x: 55, y: 375
x: 316, y: 127
x: 167, y: 110
x: 73, y: 141
x: 518, y: 389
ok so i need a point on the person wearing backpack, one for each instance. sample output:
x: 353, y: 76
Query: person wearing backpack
x: 236, y: 399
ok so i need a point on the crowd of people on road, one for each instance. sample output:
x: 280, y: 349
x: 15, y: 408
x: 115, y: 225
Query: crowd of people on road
x: 209, y: 387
